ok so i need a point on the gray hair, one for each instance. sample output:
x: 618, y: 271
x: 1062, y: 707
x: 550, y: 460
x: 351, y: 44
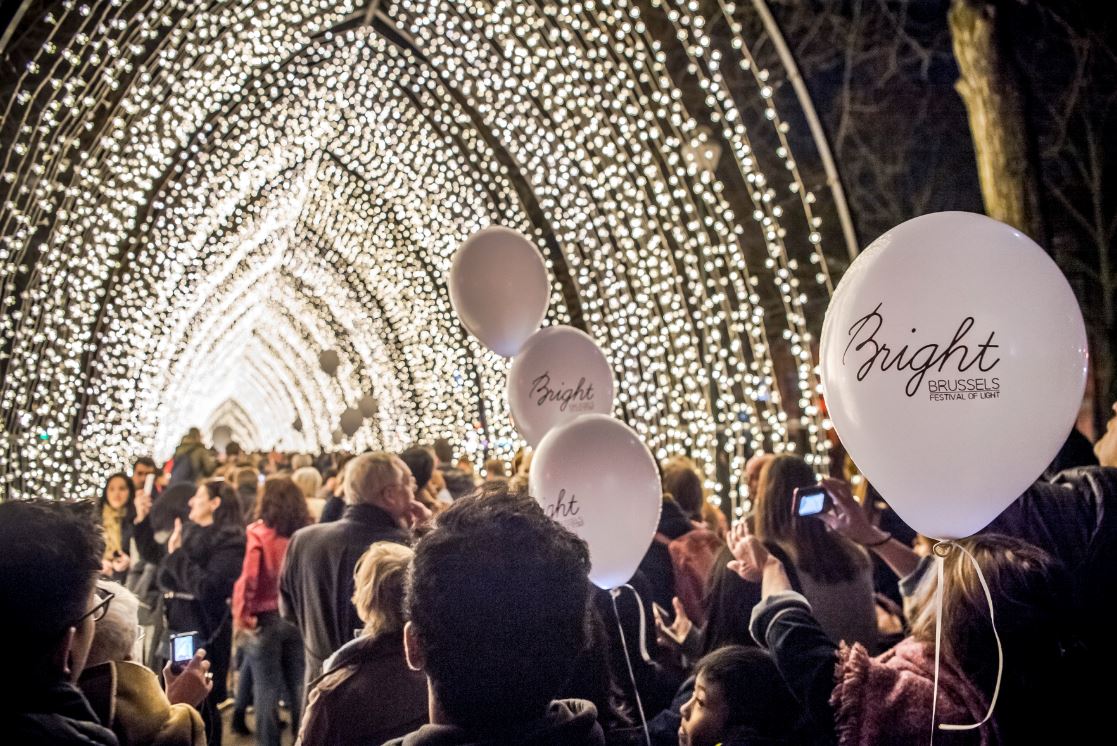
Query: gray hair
x: 299, y: 460
x: 115, y: 633
x: 367, y: 475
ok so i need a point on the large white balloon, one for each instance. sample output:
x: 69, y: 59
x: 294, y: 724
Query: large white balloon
x: 559, y: 373
x: 596, y: 477
x: 953, y: 364
x: 499, y: 288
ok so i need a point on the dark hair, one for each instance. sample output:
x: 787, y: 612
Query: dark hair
x: 443, y: 450
x: 282, y: 506
x: 145, y: 461
x: 228, y: 512
x: 232, y: 448
x: 815, y: 550
x: 50, y: 559
x: 756, y: 694
x: 421, y: 463
x: 130, y: 506
x: 729, y: 600
x: 683, y: 483
x: 498, y: 596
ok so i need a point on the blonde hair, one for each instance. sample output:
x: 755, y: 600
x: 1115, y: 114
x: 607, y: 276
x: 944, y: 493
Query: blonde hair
x: 367, y: 474
x: 379, y: 581
x: 308, y: 480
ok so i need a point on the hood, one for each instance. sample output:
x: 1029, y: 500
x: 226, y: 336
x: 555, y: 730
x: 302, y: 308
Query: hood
x: 568, y: 722
x: 673, y: 522
x: 186, y: 446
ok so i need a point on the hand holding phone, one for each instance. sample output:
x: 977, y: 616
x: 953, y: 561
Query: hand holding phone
x: 183, y: 646
x: 811, y: 501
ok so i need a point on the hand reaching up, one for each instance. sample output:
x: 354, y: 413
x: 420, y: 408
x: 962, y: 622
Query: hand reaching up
x: 671, y: 636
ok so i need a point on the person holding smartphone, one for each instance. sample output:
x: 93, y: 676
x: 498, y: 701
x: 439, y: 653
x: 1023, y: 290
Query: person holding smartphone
x: 834, y: 573
x: 197, y: 569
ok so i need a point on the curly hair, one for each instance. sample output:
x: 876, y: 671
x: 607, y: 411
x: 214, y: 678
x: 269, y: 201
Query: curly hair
x: 282, y: 506
x: 498, y: 601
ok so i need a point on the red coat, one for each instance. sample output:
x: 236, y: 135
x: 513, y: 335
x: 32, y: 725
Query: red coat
x: 257, y: 588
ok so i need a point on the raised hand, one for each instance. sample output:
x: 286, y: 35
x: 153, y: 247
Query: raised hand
x: 672, y: 636
x: 847, y: 517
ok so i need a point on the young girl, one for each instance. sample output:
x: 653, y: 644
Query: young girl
x: 739, y: 698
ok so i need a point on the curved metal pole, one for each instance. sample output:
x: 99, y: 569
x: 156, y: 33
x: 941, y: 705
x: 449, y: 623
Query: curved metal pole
x: 832, y: 179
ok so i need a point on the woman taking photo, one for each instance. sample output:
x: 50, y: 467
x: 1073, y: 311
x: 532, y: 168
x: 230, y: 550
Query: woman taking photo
x: 198, y: 566
x: 118, y: 512
x: 273, y: 645
x: 834, y: 573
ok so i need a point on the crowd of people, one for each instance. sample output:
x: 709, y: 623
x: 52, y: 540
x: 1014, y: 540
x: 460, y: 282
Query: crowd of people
x: 403, y: 599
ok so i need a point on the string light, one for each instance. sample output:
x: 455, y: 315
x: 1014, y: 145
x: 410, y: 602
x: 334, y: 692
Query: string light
x: 200, y: 198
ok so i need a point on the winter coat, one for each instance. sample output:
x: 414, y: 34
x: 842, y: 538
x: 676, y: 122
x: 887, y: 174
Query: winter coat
x: 257, y: 589
x: 57, y: 714
x: 568, y: 722
x: 127, y: 697
x: 192, y: 461
x: 367, y: 695
x: 316, y: 585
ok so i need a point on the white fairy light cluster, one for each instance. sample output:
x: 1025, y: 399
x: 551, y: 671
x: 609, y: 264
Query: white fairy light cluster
x: 201, y: 198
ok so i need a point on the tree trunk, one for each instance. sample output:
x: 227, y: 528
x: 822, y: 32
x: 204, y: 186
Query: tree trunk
x: 991, y: 90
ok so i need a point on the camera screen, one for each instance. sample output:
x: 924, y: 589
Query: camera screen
x: 812, y: 503
x: 184, y: 648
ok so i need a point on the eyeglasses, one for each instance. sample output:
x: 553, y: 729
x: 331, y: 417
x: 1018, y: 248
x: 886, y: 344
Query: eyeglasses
x: 104, y: 598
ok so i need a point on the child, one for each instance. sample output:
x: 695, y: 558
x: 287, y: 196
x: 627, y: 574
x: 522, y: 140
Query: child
x: 739, y: 698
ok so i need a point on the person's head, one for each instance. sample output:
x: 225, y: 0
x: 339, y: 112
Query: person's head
x: 282, y: 506
x: 118, y: 493
x: 420, y: 462
x: 379, y: 580
x: 214, y: 502
x: 232, y: 450
x: 379, y: 479
x: 299, y: 460
x: 1030, y: 592
x: 1106, y: 447
x: 737, y: 691
x: 50, y: 560
x: 144, y: 466
x: 497, y: 603
x: 247, y: 479
x: 114, y: 634
x: 444, y: 452
x: 683, y: 482
x: 821, y: 553
x: 752, y: 472
x: 193, y: 435
x: 494, y: 469
x: 308, y: 480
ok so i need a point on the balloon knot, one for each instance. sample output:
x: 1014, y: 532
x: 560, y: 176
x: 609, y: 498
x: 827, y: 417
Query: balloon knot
x: 943, y: 548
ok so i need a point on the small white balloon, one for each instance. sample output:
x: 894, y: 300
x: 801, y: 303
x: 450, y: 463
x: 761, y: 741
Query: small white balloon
x: 953, y: 363
x: 499, y: 288
x: 368, y: 406
x: 597, y: 478
x: 329, y: 360
x: 351, y: 421
x: 558, y: 374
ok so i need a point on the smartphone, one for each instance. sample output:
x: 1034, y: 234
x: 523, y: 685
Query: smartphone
x: 183, y: 647
x: 149, y: 483
x: 811, y: 500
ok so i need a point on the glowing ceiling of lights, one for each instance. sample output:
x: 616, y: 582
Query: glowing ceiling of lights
x: 199, y: 198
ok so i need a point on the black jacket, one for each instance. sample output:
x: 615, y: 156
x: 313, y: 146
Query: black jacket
x: 316, y: 586
x: 57, y: 715
x: 568, y: 722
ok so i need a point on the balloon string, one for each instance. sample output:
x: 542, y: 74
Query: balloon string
x: 939, y: 562
x: 941, y: 553
x: 643, y: 625
x: 631, y: 674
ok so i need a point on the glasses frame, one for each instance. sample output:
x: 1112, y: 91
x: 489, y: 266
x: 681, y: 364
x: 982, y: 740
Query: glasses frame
x: 97, y: 612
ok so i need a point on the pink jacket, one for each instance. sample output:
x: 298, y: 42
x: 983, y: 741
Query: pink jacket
x: 887, y: 699
x: 257, y: 589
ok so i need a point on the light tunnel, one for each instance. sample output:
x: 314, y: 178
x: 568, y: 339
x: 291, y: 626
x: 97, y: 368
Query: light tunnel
x: 201, y: 197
